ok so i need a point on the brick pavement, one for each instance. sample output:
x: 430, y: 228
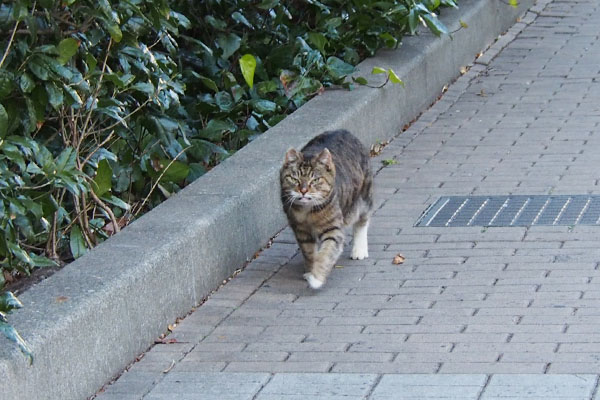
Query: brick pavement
x: 473, y: 313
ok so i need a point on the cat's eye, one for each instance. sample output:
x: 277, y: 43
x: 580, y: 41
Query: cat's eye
x: 292, y: 180
x: 316, y: 181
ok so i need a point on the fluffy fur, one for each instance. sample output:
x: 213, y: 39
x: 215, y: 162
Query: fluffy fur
x: 326, y: 186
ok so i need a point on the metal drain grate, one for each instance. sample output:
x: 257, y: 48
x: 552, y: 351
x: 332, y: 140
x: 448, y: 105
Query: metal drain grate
x: 513, y: 211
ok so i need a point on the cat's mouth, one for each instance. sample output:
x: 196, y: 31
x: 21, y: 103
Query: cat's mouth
x: 304, y: 200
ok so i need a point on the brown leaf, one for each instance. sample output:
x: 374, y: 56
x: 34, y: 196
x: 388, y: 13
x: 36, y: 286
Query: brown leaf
x: 61, y: 299
x: 398, y: 259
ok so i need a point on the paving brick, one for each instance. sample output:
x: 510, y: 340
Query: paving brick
x: 429, y: 386
x: 281, y: 366
x: 558, y: 386
x: 386, y: 367
x: 209, y: 385
x: 492, y: 368
x: 323, y: 385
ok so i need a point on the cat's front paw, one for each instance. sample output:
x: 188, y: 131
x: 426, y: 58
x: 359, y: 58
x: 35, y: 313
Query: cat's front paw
x: 313, y: 282
x: 359, y: 252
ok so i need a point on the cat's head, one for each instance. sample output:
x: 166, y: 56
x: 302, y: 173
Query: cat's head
x: 307, y: 181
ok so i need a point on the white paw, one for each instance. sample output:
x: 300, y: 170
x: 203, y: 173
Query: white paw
x: 312, y: 281
x: 359, y: 252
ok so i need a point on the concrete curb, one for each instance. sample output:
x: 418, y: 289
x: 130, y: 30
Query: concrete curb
x: 91, y: 319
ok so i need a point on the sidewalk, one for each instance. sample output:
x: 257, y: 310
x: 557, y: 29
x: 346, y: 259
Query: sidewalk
x: 473, y: 312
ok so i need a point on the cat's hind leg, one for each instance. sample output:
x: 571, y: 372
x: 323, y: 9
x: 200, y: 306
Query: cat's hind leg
x: 360, y: 244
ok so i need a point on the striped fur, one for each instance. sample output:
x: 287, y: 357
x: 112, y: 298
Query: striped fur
x: 326, y: 186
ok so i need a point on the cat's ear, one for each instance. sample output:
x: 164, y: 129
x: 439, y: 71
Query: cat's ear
x: 325, y: 158
x: 292, y: 156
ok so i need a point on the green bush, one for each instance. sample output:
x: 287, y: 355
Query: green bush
x: 108, y: 107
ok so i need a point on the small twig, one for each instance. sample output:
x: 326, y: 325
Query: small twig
x: 108, y: 138
x: 158, y: 180
x: 10, y: 41
x: 108, y: 210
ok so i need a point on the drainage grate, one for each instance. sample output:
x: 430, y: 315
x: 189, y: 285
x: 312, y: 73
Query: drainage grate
x: 512, y: 211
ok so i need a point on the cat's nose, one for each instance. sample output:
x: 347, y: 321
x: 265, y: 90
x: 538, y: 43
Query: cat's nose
x: 303, y: 189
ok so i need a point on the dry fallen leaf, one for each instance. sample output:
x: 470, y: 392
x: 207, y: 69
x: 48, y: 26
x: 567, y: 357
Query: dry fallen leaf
x: 398, y: 259
x: 339, y: 266
x: 165, y: 341
x: 171, y: 327
x: 61, y: 299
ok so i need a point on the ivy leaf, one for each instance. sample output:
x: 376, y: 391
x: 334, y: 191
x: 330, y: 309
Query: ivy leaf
x: 378, y: 70
x: 77, y: 242
x: 390, y: 41
x: 318, y: 40
x: 248, y: 66
x: 394, y: 78
x: 339, y: 68
x: 229, y: 43
x: 360, y: 80
x: 67, y: 48
x: 513, y: 3
x: 263, y: 106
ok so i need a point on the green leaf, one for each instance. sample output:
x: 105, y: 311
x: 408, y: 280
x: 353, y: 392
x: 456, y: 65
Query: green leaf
x: 40, y: 261
x: 463, y: 24
x: 238, y: 17
x: 7, y: 83
x: 144, y: 87
x: 73, y: 94
x: 77, y: 242
x: 3, y: 122
x: 216, y: 128
x: 339, y: 68
x: 389, y: 40
x: 378, y: 70
x: 26, y: 83
x: 435, y: 25
x: 263, y: 106
x: 12, y: 335
x: 248, y: 66
x: 360, y: 80
x: 39, y: 68
x: 413, y: 20
x: 9, y: 302
x: 115, y: 201
x: 209, y: 83
x: 224, y: 101
x: 394, y: 78
x: 175, y: 171
x: 229, y: 43
x: 318, y: 40
x: 91, y: 62
x: 513, y: 3
x: 114, y: 31
x: 20, y: 253
x: 103, y: 179
x: 67, y: 48
x: 55, y: 95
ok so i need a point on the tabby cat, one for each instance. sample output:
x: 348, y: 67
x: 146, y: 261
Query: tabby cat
x: 324, y: 187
